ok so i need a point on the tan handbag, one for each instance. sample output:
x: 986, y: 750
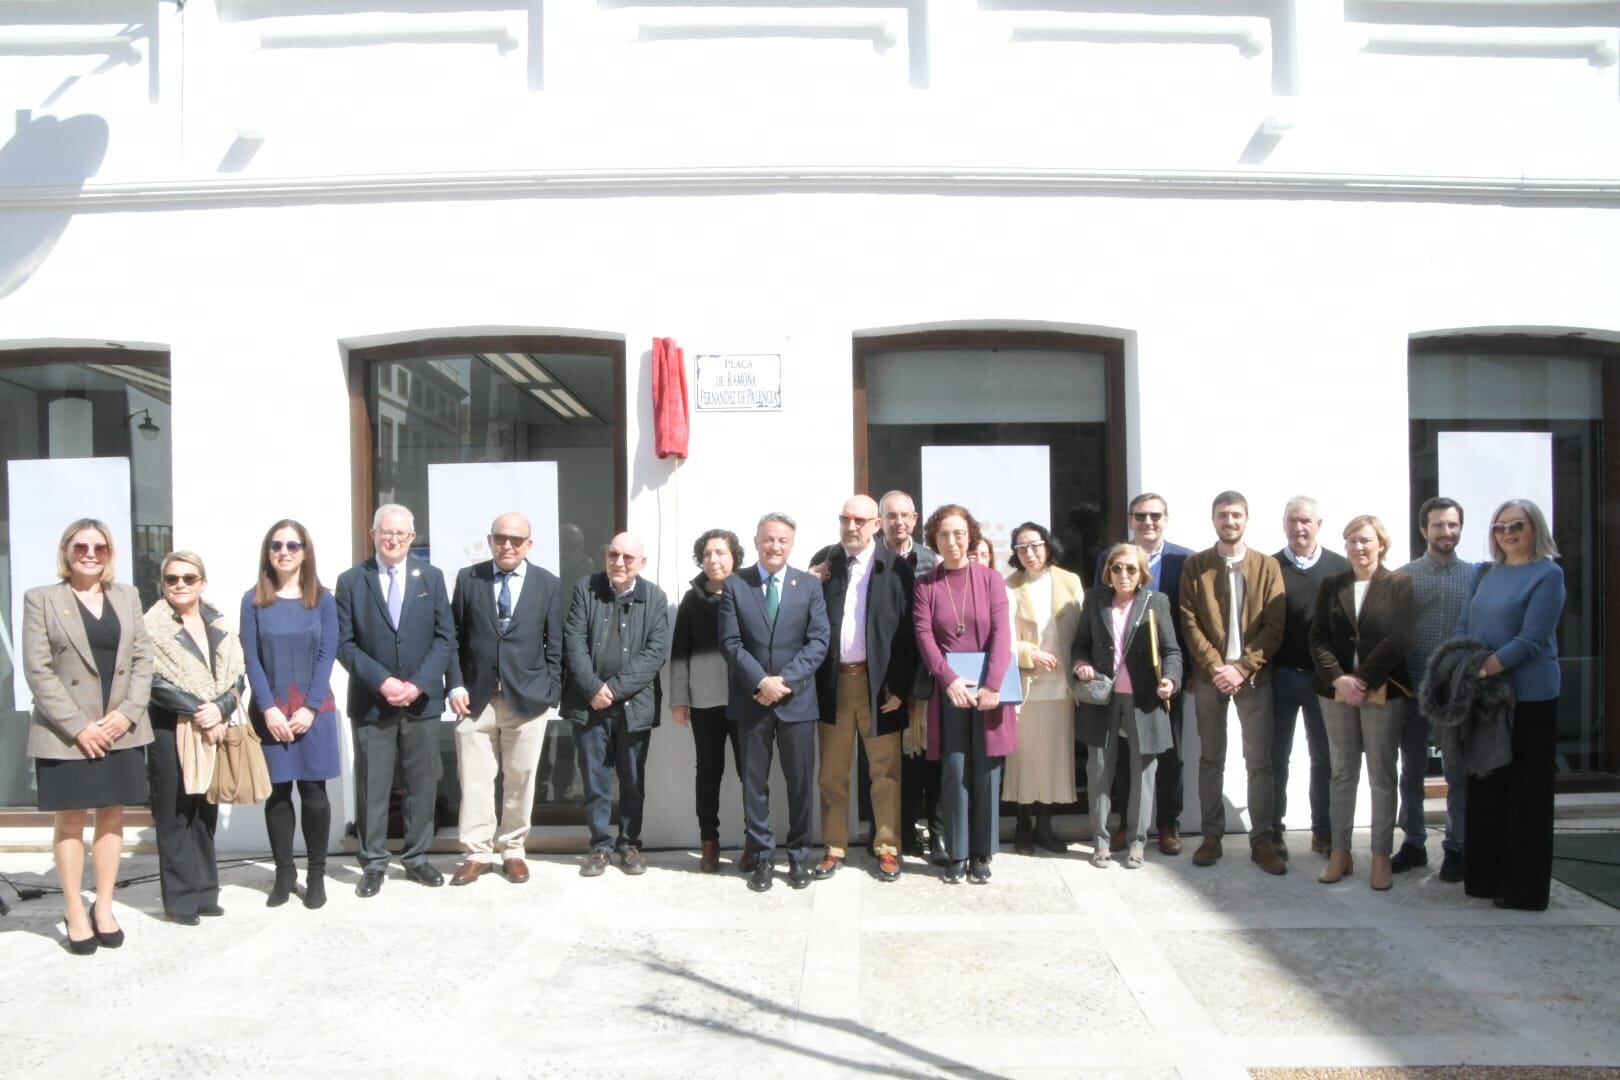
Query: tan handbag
x: 241, y: 777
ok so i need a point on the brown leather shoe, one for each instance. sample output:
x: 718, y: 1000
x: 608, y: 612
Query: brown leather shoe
x: 1280, y: 844
x: 1116, y: 842
x: 1264, y: 853
x: 516, y: 870
x: 1339, y: 866
x: 827, y: 867
x: 631, y: 862
x: 1169, y: 840
x: 468, y: 872
x: 709, y: 861
x: 1322, y: 843
x: 1209, y: 852
x: 888, y: 867
x: 749, y: 860
x: 1383, y: 874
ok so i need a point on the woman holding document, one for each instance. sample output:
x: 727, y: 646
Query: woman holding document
x: 961, y: 610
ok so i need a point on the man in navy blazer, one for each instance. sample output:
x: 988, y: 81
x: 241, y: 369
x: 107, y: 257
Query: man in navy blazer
x: 1149, y: 519
x: 396, y: 640
x: 505, y: 675
x: 773, y: 632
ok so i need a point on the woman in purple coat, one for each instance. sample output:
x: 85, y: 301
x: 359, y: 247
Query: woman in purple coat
x: 962, y: 607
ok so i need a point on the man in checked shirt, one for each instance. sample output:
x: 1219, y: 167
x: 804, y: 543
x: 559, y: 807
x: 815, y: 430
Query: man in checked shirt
x: 1440, y: 585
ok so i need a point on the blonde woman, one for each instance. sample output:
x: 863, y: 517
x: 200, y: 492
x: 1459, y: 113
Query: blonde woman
x: 88, y: 662
x: 1046, y: 602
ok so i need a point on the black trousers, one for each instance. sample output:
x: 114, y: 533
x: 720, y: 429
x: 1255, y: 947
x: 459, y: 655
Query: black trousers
x: 970, y: 783
x: 919, y: 795
x: 188, y: 874
x: 606, y: 749
x: 797, y: 742
x: 711, y: 730
x: 1508, y: 831
x: 380, y: 745
x: 1167, y: 794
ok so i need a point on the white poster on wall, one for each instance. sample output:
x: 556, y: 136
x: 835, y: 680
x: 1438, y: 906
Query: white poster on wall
x: 1001, y: 485
x: 1483, y: 469
x: 45, y: 496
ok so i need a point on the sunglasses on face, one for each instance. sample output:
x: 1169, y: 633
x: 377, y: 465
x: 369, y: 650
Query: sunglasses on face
x: 171, y: 580
x: 80, y: 550
x: 292, y: 547
x: 508, y: 540
x: 1146, y: 515
x: 1499, y: 527
x: 858, y: 522
x: 1124, y: 568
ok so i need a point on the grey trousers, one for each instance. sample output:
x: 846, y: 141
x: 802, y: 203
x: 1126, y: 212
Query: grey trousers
x: 1102, y: 761
x: 413, y: 745
x: 1376, y: 731
x: 969, y: 784
x: 1254, y: 718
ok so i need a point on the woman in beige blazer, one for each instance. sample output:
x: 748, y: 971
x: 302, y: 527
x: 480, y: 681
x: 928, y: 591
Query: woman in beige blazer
x: 1045, y: 613
x: 88, y: 661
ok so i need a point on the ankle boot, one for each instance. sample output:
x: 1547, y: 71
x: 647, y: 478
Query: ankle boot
x: 1024, y: 834
x: 286, y: 880
x: 1044, y: 836
x: 315, y: 884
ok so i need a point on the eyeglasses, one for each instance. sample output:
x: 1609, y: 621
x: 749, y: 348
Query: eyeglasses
x: 171, y: 580
x: 1125, y: 568
x: 858, y: 522
x: 621, y: 557
x: 292, y: 547
x: 81, y: 550
x: 394, y: 534
x: 1147, y: 515
x: 1031, y: 546
x: 1514, y: 527
x: 507, y: 540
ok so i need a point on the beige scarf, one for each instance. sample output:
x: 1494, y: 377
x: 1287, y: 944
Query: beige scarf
x: 180, y: 666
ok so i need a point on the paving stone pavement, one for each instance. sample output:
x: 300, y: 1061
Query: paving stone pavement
x: 1055, y: 969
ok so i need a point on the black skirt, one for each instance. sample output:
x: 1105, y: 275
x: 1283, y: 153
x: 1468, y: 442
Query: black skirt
x: 119, y: 779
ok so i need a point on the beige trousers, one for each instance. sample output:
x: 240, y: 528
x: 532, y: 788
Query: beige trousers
x: 854, y: 714
x: 497, y: 742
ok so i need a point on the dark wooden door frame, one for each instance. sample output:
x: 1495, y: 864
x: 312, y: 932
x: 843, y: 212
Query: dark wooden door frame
x: 1112, y: 351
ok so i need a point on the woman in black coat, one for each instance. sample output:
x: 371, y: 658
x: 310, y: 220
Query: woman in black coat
x: 1116, y: 637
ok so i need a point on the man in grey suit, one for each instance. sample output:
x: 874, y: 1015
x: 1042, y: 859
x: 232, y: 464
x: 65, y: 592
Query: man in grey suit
x: 395, y: 638
x: 773, y: 632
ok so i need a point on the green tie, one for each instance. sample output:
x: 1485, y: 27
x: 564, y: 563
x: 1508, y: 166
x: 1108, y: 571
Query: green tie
x: 773, y: 599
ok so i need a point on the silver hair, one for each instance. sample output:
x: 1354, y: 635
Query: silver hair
x: 1302, y: 500
x: 776, y: 516
x: 1544, y: 547
x: 392, y: 508
x: 896, y: 494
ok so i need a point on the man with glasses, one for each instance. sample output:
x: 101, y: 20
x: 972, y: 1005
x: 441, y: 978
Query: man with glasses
x: 861, y: 685
x: 506, y: 676
x: 773, y: 632
x: 615, y: 642
x: 396, y: 639
x: 1149, y: 516
x: 1233, y: 609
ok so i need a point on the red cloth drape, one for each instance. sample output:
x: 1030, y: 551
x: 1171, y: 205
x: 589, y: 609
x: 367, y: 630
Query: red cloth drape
x: 672, y: 415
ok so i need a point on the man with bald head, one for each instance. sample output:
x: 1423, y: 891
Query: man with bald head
x: 615, y: 641
x: 506, y: 675
x: 862, y: 684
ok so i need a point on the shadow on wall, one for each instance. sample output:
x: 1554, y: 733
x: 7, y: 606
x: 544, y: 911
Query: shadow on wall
x: 45, y: 151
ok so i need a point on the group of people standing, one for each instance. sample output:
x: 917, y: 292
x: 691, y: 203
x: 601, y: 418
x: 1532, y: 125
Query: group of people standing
x: 903, y: 645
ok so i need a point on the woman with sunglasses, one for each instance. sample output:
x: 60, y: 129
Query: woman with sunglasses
x: 1045, y: 601
x: 289, y: 633
x: 1125, y: 634
x: 197, y: 683
x: 1516, y: 603
x: 88, y: 661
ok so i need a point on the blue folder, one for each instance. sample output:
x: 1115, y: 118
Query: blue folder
x: 971, y: 666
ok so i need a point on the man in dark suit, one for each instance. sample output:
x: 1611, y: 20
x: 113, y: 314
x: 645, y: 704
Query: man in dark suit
x: 396, y: 640
x: 773, y: 632
x: 871, y: 659
x: 505, y: 676
x: 1149, y: 520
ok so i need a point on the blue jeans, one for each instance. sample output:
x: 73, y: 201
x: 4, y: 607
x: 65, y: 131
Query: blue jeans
x: 1291, y: 691
x: 604, y: 749
x: 1414, y: 768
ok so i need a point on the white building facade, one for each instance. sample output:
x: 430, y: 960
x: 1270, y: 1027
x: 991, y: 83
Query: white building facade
x: 1280, y: 246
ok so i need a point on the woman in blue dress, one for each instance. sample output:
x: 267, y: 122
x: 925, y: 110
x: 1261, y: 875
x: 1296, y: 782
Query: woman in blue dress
x: 289, y: 636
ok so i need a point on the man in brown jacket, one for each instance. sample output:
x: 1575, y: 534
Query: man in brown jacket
x: 1233, y: 609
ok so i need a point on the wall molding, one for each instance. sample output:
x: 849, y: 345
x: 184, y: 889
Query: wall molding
x: 449, y: 186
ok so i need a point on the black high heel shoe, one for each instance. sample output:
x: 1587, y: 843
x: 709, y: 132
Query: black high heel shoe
x: 86, y: 946
x: 112, y: 940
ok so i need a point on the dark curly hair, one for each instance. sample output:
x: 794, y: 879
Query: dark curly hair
x: 931, y: 526
x: 1054, y: 550
x: 719, y: 534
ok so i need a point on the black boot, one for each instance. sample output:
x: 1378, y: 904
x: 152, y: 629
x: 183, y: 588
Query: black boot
x: 315, y: 884
x: 286, y: 880
x: 1044, y: 836
x: 1024, y: 834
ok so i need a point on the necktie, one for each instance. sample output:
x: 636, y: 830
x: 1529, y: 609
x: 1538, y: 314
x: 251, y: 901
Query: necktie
x: 773, y: 599
x: 503, y: 604
x: 396, y: 599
